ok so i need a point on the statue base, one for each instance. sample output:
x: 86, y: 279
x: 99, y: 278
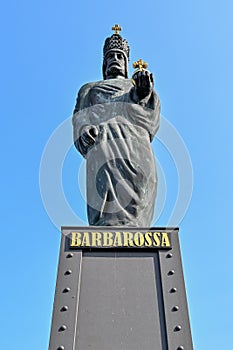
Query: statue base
x: 120, y: 288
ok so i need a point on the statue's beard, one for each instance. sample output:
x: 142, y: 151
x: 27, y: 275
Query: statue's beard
x: 114, y: 70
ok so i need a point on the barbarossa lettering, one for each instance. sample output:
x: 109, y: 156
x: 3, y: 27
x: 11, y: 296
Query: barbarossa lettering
x: 107, y: 239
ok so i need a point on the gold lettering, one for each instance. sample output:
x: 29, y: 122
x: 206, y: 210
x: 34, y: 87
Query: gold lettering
x: 117, y: 240
x: 128, y: 239
x: 148, y: 240
x: 165, y: 240
x: 75, y: 239
x: 96, y: 239
x: 138, y: 239
x: 86, y: 240
x: 107, y: 239
x: 156, y: 237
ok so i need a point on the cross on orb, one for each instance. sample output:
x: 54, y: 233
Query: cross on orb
x: 140, y: 64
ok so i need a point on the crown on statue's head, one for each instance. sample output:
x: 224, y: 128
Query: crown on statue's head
x: 116, y: 42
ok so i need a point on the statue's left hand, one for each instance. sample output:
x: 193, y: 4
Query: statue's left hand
x: 144, y: 82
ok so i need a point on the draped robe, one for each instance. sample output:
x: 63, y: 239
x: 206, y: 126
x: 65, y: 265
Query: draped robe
x: 121, y: 174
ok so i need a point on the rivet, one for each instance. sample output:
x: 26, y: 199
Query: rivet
x: 66, y: 290
x: 62, y: 328
x: 64, y: 308
x: 173, y: 290
x: 70, y: 255
x: 68, y: 272
x: 177, y: 328
x: 171, y: 272
x: 169, y: 255
x: 180, y: 348
x: 61, y: 348
x: 175, y: 308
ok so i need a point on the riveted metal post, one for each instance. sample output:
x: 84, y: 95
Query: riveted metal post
x: 66, y: 299
x: 174, y: 296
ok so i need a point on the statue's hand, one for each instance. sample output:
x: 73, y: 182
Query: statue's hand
x: 89, y: 135
x: 144, y: 82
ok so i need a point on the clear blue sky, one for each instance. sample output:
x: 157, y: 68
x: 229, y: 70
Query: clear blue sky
x: 49, y: 50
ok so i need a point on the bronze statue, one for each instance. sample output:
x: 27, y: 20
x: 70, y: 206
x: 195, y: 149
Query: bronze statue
x: 114, y: 122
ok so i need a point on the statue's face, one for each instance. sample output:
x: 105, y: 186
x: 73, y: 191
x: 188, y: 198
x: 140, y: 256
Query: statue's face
x: 115, y: 64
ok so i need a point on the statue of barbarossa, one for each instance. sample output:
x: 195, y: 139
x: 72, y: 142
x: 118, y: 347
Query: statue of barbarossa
x: 114, y: 123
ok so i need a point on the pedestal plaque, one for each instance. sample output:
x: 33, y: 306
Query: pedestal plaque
x: 120, y: 288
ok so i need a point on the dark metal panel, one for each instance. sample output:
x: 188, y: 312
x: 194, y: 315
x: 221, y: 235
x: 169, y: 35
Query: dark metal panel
x: 174, y: 295
x: 118, y: 305
x: 66, y: 299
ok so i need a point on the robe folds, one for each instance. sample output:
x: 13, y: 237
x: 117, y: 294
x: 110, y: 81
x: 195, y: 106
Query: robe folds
x: 121, y: 174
